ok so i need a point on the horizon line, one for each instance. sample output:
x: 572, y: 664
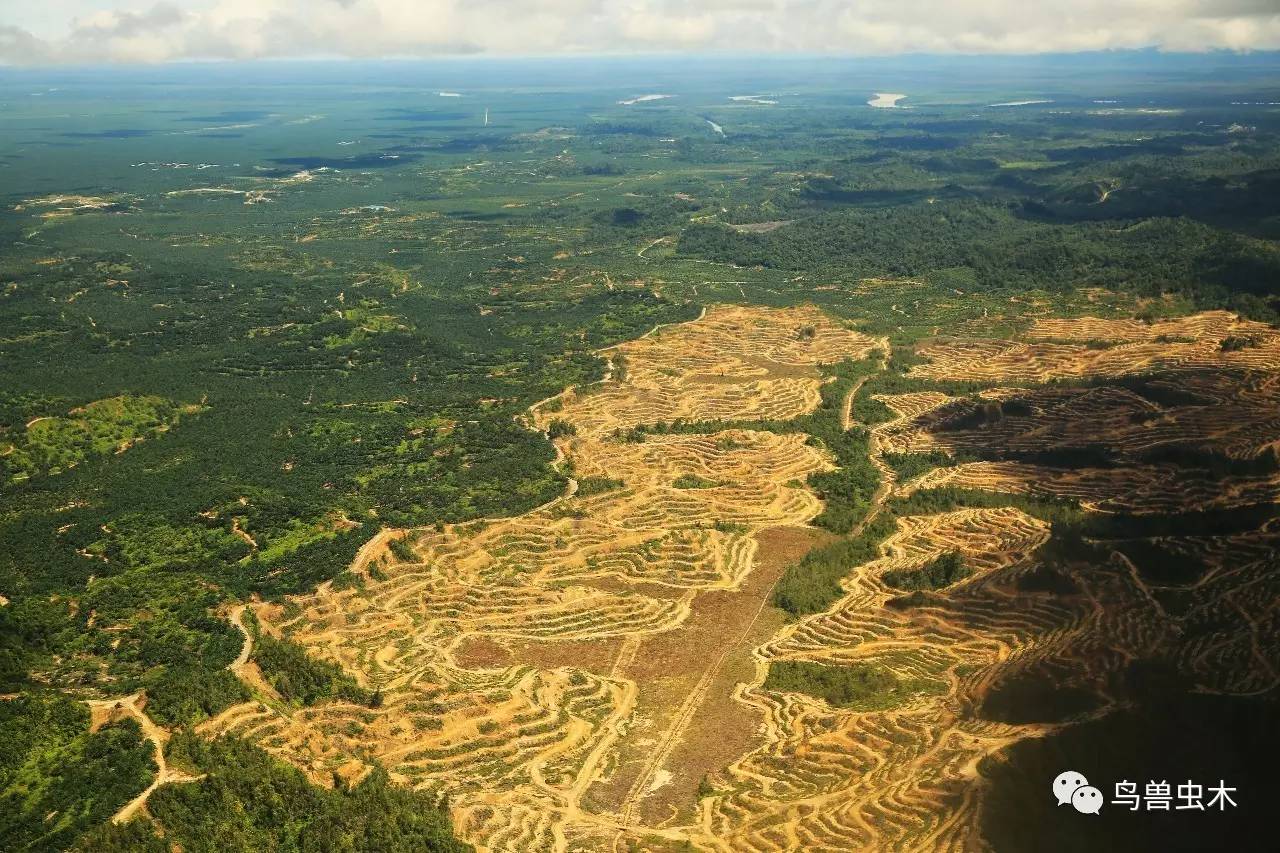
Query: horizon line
x: 1228, y: 53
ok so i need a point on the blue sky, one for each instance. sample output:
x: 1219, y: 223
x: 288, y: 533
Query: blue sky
x: 146, y: 31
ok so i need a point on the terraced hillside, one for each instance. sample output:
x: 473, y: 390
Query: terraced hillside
x: 543, y: 669
x: 605, y: 672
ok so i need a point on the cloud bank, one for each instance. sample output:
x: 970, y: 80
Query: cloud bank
x: 126, y: 31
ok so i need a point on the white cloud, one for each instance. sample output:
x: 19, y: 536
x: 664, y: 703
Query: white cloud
x: 133, y: 31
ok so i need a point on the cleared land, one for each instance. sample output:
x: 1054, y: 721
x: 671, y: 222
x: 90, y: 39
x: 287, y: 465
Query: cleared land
x: 591, y: 675
x: 658, y: 578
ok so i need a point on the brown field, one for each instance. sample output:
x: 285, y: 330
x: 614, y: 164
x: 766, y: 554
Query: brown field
x: 1184, y: 344
x: 571, y: 676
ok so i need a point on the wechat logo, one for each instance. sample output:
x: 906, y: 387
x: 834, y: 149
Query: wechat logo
x: 1071, y: 787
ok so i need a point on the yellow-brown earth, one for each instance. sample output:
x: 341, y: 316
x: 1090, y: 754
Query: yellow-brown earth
x: 569, y: 677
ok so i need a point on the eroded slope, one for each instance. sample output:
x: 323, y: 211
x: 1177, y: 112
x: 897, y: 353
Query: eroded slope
x: 508, y: 651
x: 597, y: 673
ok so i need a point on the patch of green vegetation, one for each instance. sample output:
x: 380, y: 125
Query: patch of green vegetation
x: 847, y: 491
x: 859, y: 686
x: 248, y: 800
x: 187, y: 695
x: 693, y: 481
x: 303, y: 679
x: 705, y: 788
x: 560, y: 428
x: 592, y: 486
x: 634, y: 435
x: 812, y: 584
x: 402, y: 550
x: 1236, y: 343
x: 938, y: 573
x: 57, y: 779
x: 365, y: 320
x: 908, y: 466
x: 51, y: 445
x: 948, y: 498
x: 175, y: 645
x: 869, y: 411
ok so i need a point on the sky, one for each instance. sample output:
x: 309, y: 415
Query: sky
x: 36, y: 32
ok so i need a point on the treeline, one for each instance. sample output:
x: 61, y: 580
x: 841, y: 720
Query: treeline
x: 1002, y: 249
x: 247, y: 800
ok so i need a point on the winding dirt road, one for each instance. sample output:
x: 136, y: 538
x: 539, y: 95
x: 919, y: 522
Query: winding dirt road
x: 105, y: 710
